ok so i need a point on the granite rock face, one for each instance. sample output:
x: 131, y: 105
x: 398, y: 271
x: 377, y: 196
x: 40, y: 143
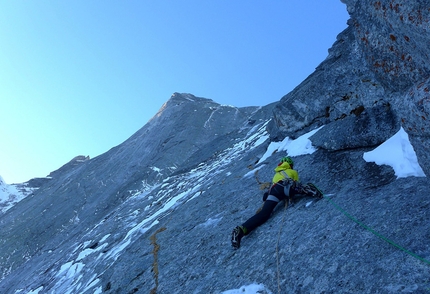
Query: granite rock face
x: 84, y: 192
x: 381, y: 59
x: 122, y: 223
x: 154, y: 214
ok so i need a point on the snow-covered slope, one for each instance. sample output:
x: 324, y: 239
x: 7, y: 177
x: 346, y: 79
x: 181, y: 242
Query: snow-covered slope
x: 144, y: 210
x: 12, y: 194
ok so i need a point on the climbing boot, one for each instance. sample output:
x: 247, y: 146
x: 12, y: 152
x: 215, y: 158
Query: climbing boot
x: 236, y: 236
x: 312, y: 190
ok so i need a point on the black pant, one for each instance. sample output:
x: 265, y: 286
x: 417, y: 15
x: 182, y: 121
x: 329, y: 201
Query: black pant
x: 260, y: 218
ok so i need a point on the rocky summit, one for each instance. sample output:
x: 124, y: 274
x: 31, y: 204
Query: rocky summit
x: 154, y: 214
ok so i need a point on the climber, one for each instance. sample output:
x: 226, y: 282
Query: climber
x: 285, y: 185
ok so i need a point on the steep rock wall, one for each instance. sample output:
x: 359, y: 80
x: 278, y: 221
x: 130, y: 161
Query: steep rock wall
x: 85, y: 191
x: 381, y: 60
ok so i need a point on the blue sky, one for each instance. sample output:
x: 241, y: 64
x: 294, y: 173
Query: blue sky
x: 80, y: 77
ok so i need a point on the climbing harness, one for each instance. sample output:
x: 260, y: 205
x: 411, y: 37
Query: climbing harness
x: 287, y: 183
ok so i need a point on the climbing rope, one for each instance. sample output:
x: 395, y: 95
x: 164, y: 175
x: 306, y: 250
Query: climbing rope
x: 354, y: 220
x: 376, y: 233
x: 153, y: 239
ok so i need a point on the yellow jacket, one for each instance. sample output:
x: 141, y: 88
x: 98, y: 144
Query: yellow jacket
x: 291, y: 173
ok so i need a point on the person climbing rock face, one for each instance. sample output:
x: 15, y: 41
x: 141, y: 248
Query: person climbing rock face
x: 285, y: 186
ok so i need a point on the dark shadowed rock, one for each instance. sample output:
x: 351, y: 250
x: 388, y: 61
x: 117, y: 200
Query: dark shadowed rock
x: 364, y: 129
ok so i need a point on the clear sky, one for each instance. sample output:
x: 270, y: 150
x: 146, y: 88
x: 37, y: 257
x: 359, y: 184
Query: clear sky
x: 80, y: 77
